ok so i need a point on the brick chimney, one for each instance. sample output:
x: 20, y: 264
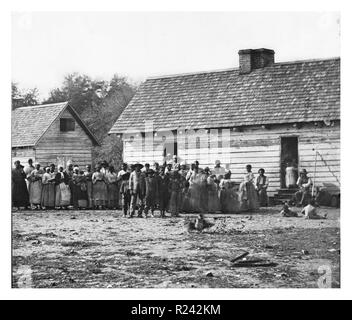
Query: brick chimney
x: 251, y: 59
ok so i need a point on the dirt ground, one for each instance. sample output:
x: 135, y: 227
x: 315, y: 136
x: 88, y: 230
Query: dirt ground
x: 101, y: 249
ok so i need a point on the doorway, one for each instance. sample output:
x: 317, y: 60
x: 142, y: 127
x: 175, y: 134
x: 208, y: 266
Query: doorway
x: 170, y: 149
x: 289, y: 154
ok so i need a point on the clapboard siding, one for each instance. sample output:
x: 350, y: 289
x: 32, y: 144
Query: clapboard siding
x: 23, y: 154
x: 58, y: 147
x: 257, y: 146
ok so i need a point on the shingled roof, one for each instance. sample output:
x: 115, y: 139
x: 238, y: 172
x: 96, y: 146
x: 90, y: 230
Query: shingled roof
x: 30, y: 123
x: 301, y: 91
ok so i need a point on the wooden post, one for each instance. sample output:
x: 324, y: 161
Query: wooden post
x: 315, y: 171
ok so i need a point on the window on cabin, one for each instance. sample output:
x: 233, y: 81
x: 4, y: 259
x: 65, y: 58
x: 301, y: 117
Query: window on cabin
x: 67, y: 124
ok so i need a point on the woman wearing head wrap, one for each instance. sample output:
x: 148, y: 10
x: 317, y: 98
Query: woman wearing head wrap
x: 20, y: 197
x: 35, y: 187
x: 291, y: 175
x: 229, y: 198
x: 249, y: 197
x: 62, y: 189
x: 261, y: 184
x: 218, y: 170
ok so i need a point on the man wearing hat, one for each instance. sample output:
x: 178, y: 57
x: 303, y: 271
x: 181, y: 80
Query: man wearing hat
x: 218, y: 170
x: 137, y: 189
x: 304, y: 184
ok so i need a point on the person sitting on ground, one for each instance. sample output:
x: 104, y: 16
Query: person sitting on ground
x: 311, y: 212
x: 287, y: 212
x: 201, y: 223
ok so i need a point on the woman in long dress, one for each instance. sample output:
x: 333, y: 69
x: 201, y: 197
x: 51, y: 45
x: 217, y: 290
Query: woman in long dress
x: 184, y: 186
x: 291, y: 176
x: 62, y: 189
x: 20, y: 196
x: 203, y: 189
x: 113, y: 190
x: 79, y: 187
x: 249, y: 197
x: 229, y: 199
x: 174, y: 191
x: 88, y: 174
x: 100, y: 190
x: 261, y: 184
x: 213, y: 194
x: 35, y: 187
x: 48, y: 190
x: 195, y: 190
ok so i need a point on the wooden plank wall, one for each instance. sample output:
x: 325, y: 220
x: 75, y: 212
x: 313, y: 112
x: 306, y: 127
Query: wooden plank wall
x: 58, y: 147
x: 256, y: 146
x: 23, y: 154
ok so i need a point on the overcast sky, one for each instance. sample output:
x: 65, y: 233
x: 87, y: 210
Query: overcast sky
x: 48, y: 45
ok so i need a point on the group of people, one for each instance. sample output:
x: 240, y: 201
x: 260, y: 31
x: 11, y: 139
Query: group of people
x: 172, y: 187
x: 47, y: 188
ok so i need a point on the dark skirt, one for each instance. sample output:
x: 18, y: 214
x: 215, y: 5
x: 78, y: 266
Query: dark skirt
x: 174, y: 202
x: 80, y: 197
x: 113, y: 195
x: 213, y: 200
x: 100, y: 193
x: 48, y: 195
x: 90, y: 193
x: 163, y: 199
x: 263, y: 197
x: 20, y: 196
x: 229, y: 201
x: 249, y: 197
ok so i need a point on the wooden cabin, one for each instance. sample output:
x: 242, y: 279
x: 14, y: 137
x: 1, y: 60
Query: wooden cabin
x: 263, y: 113
x: 51, y: 133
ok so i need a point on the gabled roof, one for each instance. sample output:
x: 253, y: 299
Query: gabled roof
x: 29, y: 124
x: 301, y: 91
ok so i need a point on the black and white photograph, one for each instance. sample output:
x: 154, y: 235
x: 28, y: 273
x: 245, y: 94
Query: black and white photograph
x: 175, y: 150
